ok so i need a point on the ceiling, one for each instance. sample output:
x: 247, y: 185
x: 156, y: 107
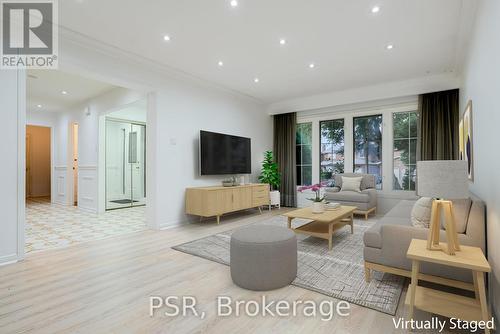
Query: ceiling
x: 344, y: 39
x: 44, y: 90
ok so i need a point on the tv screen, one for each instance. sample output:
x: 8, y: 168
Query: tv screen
x: 224, y: 154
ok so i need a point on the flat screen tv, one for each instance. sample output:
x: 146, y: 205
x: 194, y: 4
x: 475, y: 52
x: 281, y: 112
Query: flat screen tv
x: 224, y: 154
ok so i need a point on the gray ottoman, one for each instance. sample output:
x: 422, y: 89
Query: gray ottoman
x: 263, y: 257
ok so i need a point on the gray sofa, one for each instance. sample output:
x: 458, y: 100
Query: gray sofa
x: 386, y: 242
x: 365, y: 201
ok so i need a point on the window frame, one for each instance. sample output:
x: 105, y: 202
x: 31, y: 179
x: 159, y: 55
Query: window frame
x: 409, y: 139
x: 367, y: 164
x: 301, y: 165
x: 320, y: 142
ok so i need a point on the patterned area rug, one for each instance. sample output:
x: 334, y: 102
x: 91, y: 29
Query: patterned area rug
x: 338, y: 273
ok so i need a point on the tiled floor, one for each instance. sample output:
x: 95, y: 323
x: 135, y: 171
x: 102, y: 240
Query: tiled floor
x: 53, y: 225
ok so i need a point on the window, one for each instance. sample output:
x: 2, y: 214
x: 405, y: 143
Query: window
x: 405, y: 150
x: 331, y: 148
x: 368, y: 146
x: 304, y: 154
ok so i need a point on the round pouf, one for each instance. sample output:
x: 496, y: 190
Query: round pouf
x: 263, y: 257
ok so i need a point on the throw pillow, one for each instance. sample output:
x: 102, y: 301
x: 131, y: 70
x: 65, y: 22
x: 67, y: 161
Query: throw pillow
x: 351, y: 183
x: 421, y: 212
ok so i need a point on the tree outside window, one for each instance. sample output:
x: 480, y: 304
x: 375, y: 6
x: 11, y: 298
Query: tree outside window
x: 405, y: 150
x: 331, y: 149
x: 368, y: 146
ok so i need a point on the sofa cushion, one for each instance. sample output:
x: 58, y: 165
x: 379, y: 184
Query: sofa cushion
x: 373, y: 236
x: 351, y: 183
x: 421, y: 212
x: 461, y: 210
x: 348, y: 196
x: 367, y: 182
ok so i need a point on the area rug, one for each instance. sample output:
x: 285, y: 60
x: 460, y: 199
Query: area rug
x: 338, y: 273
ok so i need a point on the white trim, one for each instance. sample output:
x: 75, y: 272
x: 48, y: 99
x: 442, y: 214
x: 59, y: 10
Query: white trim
x: 21, y: 164
x: 9, y: 259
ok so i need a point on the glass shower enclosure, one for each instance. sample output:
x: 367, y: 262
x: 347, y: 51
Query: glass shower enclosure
x: 125, y: 164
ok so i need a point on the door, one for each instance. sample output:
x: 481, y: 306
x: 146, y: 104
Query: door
x: 125, y: 164
x: 137, y: 160
x: 75, y: 164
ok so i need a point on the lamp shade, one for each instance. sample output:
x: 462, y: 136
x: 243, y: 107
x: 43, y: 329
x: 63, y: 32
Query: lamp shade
x: 446, y: 179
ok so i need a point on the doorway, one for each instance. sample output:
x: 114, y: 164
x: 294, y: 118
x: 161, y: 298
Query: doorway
x: 38, y: 163
x: 74, y: 131
x: 125, y: 163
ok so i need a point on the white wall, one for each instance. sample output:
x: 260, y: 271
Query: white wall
x: 12, y: 104
x: 481, y: 84
x: 181, y: 115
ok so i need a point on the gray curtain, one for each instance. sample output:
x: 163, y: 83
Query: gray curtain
x: 285, y: 127
x: 438, y: 126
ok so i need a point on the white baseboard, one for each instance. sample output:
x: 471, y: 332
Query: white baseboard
x: 8, y: 259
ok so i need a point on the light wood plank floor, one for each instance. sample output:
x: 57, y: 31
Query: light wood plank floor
x: 104, y: 287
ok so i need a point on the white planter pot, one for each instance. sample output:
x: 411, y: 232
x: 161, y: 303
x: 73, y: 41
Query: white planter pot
x: 318, y: 207
x: 274, y: 197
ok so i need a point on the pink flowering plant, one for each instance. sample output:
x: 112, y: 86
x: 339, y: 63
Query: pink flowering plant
x: 317, y: 190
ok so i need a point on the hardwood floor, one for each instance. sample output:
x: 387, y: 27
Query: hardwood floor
x: 104, y: 286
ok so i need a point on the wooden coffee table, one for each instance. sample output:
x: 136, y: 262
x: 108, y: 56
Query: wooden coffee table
x: 323, y: 224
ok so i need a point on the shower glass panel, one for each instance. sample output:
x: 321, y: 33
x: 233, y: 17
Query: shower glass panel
x: 125, y: 164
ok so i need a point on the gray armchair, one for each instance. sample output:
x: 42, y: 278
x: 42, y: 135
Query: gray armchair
x: 365, y: 201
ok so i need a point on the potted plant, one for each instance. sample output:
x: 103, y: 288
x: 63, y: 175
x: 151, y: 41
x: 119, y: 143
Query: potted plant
x: 269, y: 174
x: 318, y: 205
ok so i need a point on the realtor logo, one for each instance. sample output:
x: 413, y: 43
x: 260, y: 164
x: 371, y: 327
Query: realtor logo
x: 29, y: 34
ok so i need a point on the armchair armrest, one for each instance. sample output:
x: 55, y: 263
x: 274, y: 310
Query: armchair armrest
x: 372, y: 194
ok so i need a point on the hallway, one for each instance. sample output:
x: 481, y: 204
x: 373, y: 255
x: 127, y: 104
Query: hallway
x: 53, y: 226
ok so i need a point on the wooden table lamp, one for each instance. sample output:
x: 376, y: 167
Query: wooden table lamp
x: 442, y: 180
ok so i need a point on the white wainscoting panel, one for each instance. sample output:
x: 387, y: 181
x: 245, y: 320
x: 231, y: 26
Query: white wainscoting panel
x: 87, y: 188
x: 60, y: 185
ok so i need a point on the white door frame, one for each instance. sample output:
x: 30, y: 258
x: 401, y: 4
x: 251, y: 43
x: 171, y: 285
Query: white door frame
x: 21, y: 162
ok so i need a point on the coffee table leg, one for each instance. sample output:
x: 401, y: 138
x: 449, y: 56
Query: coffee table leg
x: 352, y: 224
x: 290, y: 222
x: 330, y: 236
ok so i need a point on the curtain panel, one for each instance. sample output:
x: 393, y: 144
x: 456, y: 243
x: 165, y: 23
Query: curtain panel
x: 438, y: 126
x: 285, y: 127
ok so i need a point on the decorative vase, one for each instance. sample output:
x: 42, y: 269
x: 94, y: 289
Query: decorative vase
x: 318, y: 207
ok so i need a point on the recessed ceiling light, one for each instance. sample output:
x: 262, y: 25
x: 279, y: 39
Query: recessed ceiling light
x: 166, y: 38
x: 220, y: 63
x: 375, y: 9
x: 311, y: 65
x: 389, y: 47
x: 256, y: 80
x: 282, y: 41
x: 64, y: 92
x: 39, y: 105
x: 234, y: 3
